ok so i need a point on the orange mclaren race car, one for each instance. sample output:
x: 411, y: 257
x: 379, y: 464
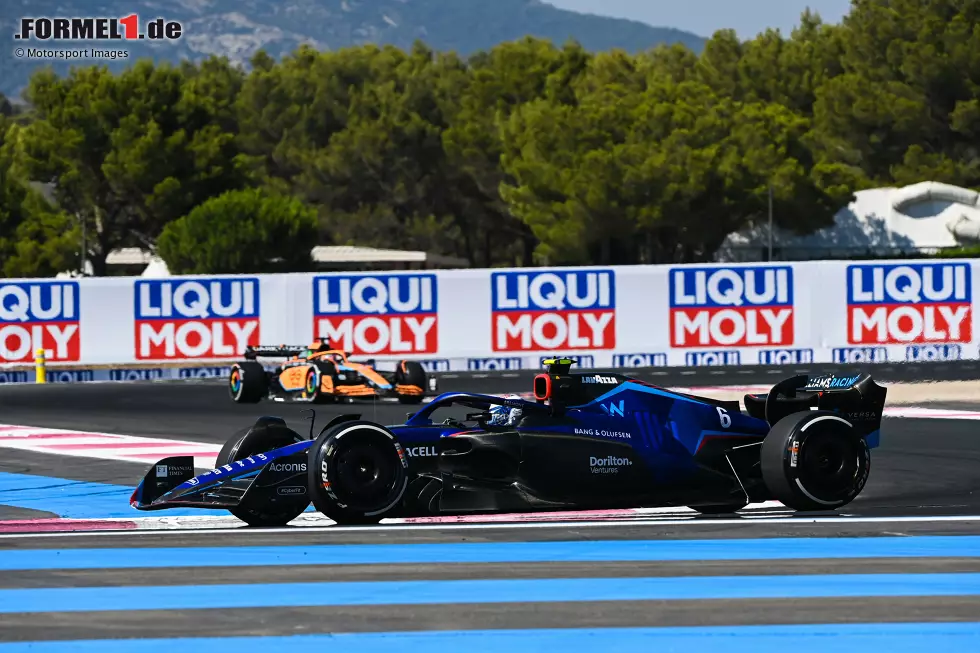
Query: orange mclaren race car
x: 318, y: 374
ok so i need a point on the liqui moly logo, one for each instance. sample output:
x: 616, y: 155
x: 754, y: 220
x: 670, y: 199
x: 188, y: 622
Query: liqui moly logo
x: 378, y: 314
x: 553, y: 310
x: 640, y: 360
x: 196, y: 318
x: 731, y: 307
x: 909, y: 303
x: 859, y: 355
x: 493, y: 364
x: 945, y: 352
x: 39, y: 315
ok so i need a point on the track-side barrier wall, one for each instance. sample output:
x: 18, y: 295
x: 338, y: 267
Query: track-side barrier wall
x: 779, y: 314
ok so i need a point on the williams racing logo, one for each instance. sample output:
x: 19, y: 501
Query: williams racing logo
x: 832, y: 382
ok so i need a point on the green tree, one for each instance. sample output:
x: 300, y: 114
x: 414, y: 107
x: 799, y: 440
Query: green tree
x: 289, y: 111
x: 241, y: 232
x: 789, y: 71
x: 128, y: 153
x: 388, y: 160
x: 662, y: 175
x: 906, y: 107
x: 500, y: 81
x: 36, y: 240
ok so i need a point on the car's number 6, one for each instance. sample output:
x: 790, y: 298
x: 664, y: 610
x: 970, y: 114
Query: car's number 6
x: 723, y: 415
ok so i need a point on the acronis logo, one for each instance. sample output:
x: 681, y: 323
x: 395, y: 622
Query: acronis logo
x: 378, y: 314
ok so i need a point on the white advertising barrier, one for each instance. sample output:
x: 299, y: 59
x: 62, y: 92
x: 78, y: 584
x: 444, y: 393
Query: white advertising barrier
x: 504, y: 319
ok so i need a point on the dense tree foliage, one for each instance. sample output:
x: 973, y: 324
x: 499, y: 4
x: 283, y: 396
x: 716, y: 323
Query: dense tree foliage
x: 128, y: 153
x: 35, y: 238
x: 525, y: 154
x: 240, y: 232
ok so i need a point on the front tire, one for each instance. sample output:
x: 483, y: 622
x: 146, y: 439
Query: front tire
x: 266, y: 434
x: 358, y: 473
x: 411, y: 373
x: 815, y: 460
x: 248, y: 382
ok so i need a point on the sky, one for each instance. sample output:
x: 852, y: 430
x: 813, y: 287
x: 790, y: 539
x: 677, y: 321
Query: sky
x: 704, y: 17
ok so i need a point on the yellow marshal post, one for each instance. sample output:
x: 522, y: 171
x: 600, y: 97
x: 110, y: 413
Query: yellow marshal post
x: 40, y: 367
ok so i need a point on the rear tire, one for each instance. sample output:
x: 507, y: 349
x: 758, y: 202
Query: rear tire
x: 321, y: 370
x: 358, y: 473
x: 266, y: 434
x: 248, y: 382
x: 411, y: 373
x: 815, y: 460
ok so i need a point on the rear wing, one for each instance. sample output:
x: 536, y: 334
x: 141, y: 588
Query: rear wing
x: 285, y: 351
x: 855, y: 397
x: 274, y: 351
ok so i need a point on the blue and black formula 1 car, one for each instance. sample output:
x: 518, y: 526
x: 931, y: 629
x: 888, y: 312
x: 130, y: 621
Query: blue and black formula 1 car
x: 587, y: 441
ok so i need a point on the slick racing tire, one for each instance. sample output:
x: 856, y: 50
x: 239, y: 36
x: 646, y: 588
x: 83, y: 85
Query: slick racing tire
x: 411, y: 373
x: 815, y: 460
x: 266, y: 434
x: 358, y: 473
x: 314, y: 380
x: 248, y: 382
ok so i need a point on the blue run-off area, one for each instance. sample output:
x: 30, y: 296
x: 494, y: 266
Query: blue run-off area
x: 836, y: 638
x: 434, y: 592
x: 895, y: 638
x: 77, y: 499
x: 790, y: 548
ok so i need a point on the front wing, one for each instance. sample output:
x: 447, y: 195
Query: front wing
x: 171, y: 483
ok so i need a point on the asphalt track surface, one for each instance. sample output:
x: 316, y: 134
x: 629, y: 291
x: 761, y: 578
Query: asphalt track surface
x: 898, y: 569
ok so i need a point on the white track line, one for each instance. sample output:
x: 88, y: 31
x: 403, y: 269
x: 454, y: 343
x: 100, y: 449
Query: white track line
x: 930, y: 413
x: 313, y: 519
x: 788, y: 520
